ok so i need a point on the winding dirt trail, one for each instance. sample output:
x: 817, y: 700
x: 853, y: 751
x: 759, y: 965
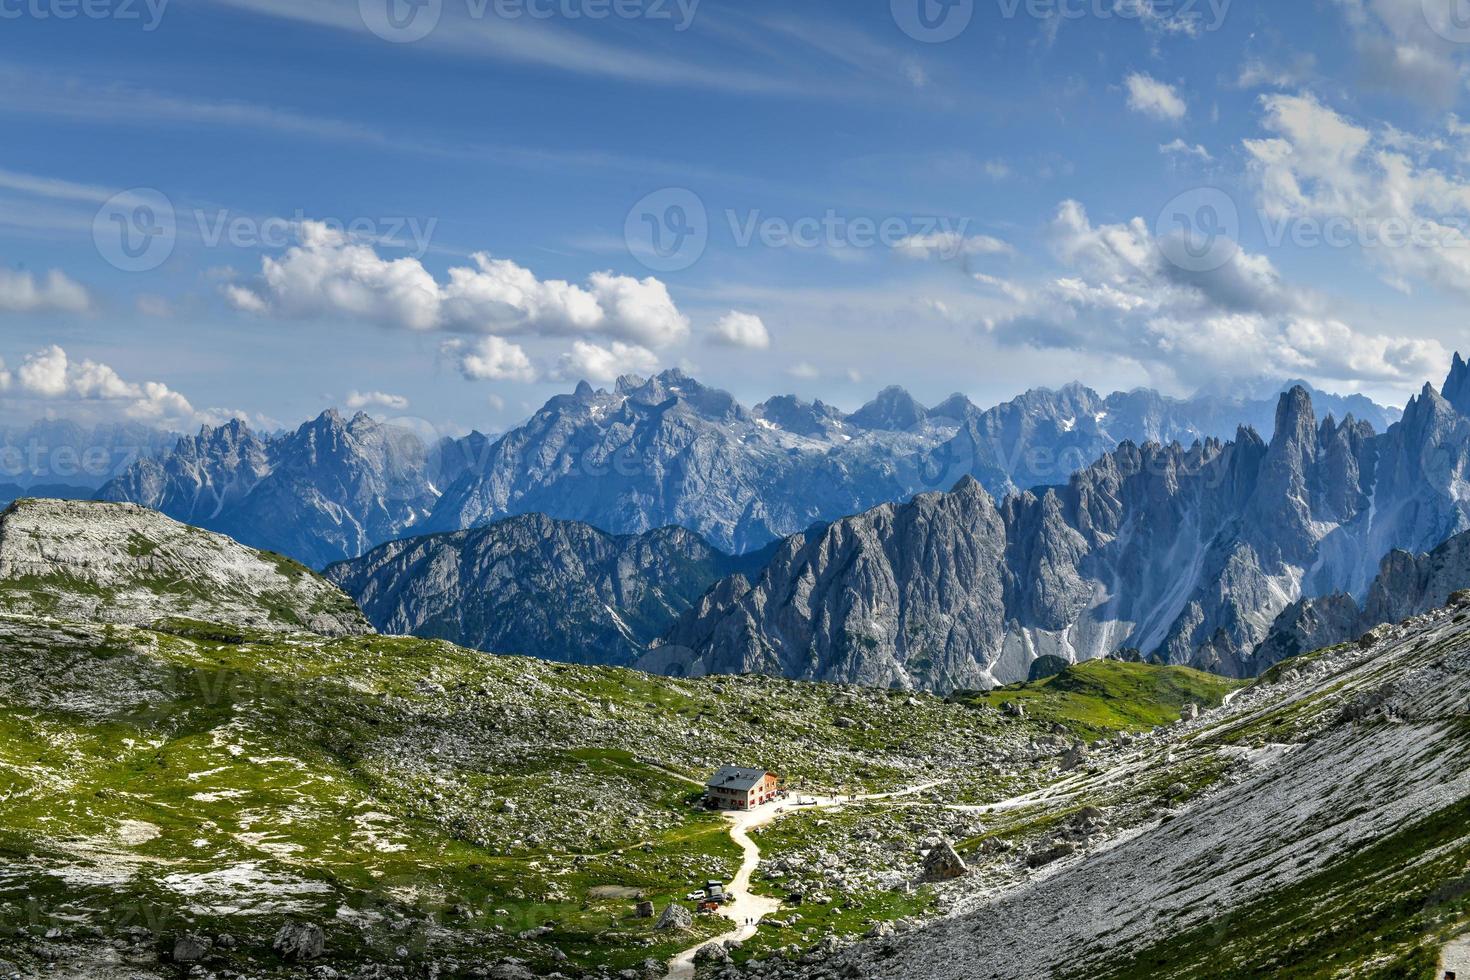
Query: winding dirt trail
x: 748, y: 910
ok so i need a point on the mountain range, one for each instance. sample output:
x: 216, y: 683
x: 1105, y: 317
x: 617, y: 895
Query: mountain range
x: 656, y: 452
x: 1187, y: 555
x: 330, y: 490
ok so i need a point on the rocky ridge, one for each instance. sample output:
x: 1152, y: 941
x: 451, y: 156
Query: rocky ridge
x: 532, y: 585
x: 119, y: 563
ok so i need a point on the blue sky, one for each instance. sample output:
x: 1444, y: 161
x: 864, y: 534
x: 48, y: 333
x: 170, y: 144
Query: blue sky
x: 455, y: 225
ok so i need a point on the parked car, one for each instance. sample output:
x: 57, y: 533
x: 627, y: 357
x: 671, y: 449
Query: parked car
x: 698, y: 896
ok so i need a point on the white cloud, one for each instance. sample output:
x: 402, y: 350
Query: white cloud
x: 1151, y: 97
x: 20, y: 292
x: 1410, y: 47
x: 1255, y: 73
x: 1348, y: 186
x: 357, y: 400
x: 5, y: 377
x: 743, y: 330
x: 244, y: 299
x: 1180, y: 148
x: 50, y: 374
x: 596, y: 363
x: 950, y: 245
x: 1123, y: 297
x: 492, y: 359
x: 329, y: 275
x: 803, y: 371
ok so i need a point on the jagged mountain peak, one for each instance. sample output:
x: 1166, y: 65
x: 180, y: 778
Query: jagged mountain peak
x: 1295, y: 440
x: 957, y: 407
x: 796, y: 415
x: 1456, y: 389
x: 893, y: 410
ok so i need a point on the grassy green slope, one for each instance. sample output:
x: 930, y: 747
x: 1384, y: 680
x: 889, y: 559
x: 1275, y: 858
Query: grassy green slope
x: 1100, y: 698
x: 414, y: 795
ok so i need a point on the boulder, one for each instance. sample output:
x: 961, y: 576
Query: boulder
x: 1075, y: 757
x: 190, y: 948
x: 299, y: 941
x: 675, y: 916
x: 943, y: 863
x: 1190, y: 712
x: 1048, y: 855
x: 714, y: 953
x: 644, y: 910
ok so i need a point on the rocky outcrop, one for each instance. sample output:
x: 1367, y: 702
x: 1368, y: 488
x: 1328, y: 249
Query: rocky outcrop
x: 119, y: 563
x: 531, y: 585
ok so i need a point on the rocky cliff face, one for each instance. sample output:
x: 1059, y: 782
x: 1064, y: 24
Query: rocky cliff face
x: 119, y: 563
x: 1407, y: 585
x: 1188, y: 555
x: 558, y: 590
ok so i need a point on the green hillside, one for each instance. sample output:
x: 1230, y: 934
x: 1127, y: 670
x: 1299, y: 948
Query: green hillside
x: 417, y: 796
x: 1100, y: 698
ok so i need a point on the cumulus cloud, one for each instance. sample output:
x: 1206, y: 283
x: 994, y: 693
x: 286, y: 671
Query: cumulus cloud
x: 1151, y: 97
x: 491, y: 359
x: 594, y: 362
x: 1322, y: 175
x: 51, y: 374
x: 331, y: 275
x: 21, y: 292
x: 357, y: 400
x: 744, y: 330
x: 1121, y: 295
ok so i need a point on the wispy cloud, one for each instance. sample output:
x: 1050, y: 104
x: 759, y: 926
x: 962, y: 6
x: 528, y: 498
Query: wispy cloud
x: 540, y: 44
